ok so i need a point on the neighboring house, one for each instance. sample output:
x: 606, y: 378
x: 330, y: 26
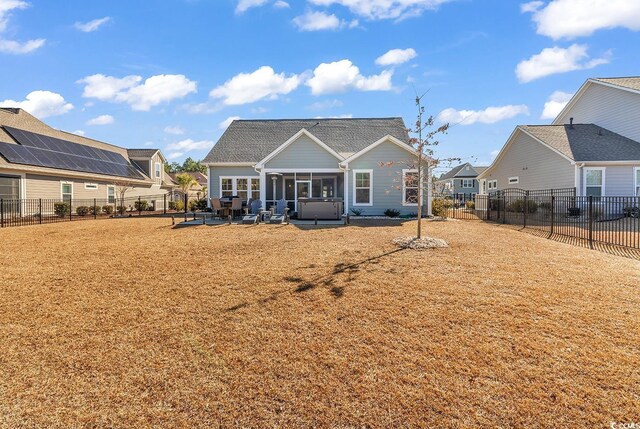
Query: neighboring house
x: 37, y: 161
x: 198, y: 190
x: 461, y: 179
x: 358, y: 162
x: 593, y: 145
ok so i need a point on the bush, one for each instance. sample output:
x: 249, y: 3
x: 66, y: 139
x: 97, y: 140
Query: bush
x: 440, y: 206
x: 121, y: 210
x: 518, y: 206
x: 391, y: 213
x: 62, y: 209
x: 471, y: 205
x: 357, y: 212
x: 95, y: 210
x: 544, y: 205
x: 82, y: 210
x: 176, y: 205
x: 108, y: 210
x: 198, y: 205
x: 141, y: 205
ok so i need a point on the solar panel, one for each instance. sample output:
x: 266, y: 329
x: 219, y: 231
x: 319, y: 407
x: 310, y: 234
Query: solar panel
x: 45, y: 151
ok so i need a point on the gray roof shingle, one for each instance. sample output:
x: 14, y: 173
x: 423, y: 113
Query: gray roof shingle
x: 141, y: 153
x: 631, y: 82
x: 455, y: 172
x: 586, y: 142
x: 253, y: 140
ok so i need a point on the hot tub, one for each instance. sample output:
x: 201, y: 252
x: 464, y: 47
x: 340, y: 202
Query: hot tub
x: 322, y: 208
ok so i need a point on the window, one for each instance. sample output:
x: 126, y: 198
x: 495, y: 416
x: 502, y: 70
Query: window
x: 9, y: 188
x: 410, y: 187
x: 158, y: 170
x: 243, y: 187
x: 493, y: 184
x: 66, y: 191
x: 362, y: 188
x: 483, y: 186
x: 467, y: 183
x: 594, y: 182
x: 514, y: 180
x: 636, y: 173
x: 92, y: 186
x: 111, y: 194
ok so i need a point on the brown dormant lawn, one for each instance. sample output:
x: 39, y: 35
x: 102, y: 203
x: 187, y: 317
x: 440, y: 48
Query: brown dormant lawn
x: 132, y: 323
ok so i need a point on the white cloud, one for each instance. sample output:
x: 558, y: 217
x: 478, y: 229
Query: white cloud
x: 557, y: 60
x: 174, y: 155
x: 101, y: 120
x: 490, y: 115
x: 532, y: 6
x: 280, y: 4
x: 174, y: 130
x: 555, y: 104
x: 324, y: 105
x: 569, y: 19
x: 12, y: 46
x: 224, y: 124
x: 344, y: 116
x: 41, y: 104
x: 342, y: 75
x: 244, y: 5
x: 178, y: 149
x: 384, y: 9
x: 201, y: 108
x: 79, y: 132
x: 246, y: 88
x: 139, y: 95
x: 396, y: 56
x: 88, y: 27
x: 318, y: 21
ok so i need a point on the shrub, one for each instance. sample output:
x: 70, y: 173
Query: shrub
x: 108, y: 210
x: 176, y: 205
x: 62, y: 209
x: 630, y: 211
x: 471, y: 205
x: 198, y: 205
x: 357, y: 212
x: 82, y: 210
x: 391, y: 213
x: 95, y: 210
x: 141, y: 205
x: 121, y: 210
x: 440, y: 206
x: 518, y: 206
x: 545, y: 205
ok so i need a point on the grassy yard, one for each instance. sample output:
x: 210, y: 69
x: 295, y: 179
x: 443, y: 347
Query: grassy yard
x: 130, y: 323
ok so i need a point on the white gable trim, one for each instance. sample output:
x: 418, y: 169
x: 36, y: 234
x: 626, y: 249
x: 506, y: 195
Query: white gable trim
x: 386, y: 138
x: 289, y: 142
x: 506, y: 147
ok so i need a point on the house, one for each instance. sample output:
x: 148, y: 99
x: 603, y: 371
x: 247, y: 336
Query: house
x: 461, y: 179
x: 40, y: 162
x: 363, y: 165
x: 593, y: 145
x: 198, y: 190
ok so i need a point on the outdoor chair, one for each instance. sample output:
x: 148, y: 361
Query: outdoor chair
x: 254, y: 216
x: 218, y: 209
x: 281, y: 214
x: 236, y: 206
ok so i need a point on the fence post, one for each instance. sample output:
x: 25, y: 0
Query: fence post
x: 139, y: 205
x: 164, y: 204
x: 186, y: 200
x: 70, y: 210
x: 1, y: 213
x: 95, y: 208
x: 40, y: 210
x: 526, y: 209
x: 553, y: 210
x: 591, y: 221
x: 504, y: 207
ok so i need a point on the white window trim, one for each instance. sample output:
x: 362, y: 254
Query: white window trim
x: 370, y: 188
x: 492, y: 184
x: 234, y: 181
x: 467, y: 180
x: 404, y: 187
x: 91, y: 186
x: 636, y: 181
x: 158, y: 171
x: 514, y: 180
x: 115, y: 198
x: 61, y: 193
x: 585, y: 170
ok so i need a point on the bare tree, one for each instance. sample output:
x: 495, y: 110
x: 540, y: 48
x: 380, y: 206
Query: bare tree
x: 122, y: 186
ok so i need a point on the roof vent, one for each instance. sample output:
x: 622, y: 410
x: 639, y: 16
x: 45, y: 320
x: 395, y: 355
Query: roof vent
x: 599, y: 131
x: 571, y: 123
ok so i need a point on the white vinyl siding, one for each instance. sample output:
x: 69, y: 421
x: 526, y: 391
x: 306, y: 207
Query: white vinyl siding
x: 302, y: 154
x: 363, y: 187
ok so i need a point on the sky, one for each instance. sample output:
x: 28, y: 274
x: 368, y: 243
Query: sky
x: 172, y: 74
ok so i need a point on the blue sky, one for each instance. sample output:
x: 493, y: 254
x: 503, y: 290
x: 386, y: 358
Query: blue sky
x: 169, y: 73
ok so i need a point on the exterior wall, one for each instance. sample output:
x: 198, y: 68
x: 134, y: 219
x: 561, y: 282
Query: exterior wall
x: 216, y: 172
x: 614, y: 109
x: 387, y: 181
x: 303, y: 153
x: 619, y: 180
x: 536, y: 166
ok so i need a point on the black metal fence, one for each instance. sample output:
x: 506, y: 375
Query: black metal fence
x: 38, y: 211
x: 559, y: 212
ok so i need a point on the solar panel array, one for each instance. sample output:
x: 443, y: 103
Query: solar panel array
x: 44, y: 151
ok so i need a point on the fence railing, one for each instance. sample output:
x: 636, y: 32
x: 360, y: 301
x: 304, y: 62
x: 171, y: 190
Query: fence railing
x: 38, y: 211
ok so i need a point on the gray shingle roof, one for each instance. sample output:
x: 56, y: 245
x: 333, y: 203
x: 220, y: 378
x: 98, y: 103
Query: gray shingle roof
x: 253, y: 140
x: 631, y: 82
x: 141, y: 153
x: 586, y: 142
x: 457, y: 172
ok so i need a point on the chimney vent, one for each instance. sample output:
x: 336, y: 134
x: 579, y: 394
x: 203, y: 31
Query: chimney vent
x: 571, y: 123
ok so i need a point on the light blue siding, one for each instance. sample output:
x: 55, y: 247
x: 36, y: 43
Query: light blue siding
x: 304, y: 153
x: 216, y: 172
x: 387, y: 162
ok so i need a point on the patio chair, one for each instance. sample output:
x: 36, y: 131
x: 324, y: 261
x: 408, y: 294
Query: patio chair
x: 254, y: 216
x: 282, y: 213
x: 218, y: 209
x: 236, y: 207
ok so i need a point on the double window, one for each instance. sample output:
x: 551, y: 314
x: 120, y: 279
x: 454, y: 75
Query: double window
x: 410, y: 184
x: 493, y: 184
x: 467, y: 183
x: 243, y: 187
x: 363, y: 187
x: 594, y: 182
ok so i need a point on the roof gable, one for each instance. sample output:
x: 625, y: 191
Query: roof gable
x: 294, y: 139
